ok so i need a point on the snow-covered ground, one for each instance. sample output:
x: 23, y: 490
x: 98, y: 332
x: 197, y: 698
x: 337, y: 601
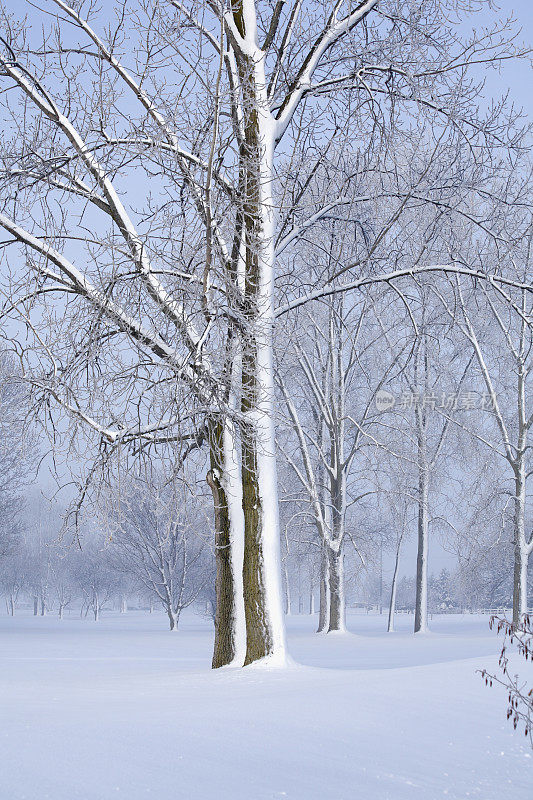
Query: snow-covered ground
x: 125, y: 709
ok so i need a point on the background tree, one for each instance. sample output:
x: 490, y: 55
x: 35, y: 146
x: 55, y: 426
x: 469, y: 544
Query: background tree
x: 330, y: 399
x: 17, y: 452
x: 160, y: 539
x: 509, y: 408
x: 95, y: 579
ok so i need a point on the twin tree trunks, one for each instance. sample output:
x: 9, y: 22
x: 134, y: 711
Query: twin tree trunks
x: 248, y: 619
x: 248, y: 577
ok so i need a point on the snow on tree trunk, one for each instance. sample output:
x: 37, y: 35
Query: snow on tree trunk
x: 265, y: 633
x: 265, y: 636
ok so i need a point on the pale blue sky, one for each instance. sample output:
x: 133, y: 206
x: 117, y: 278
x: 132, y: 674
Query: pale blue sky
x: 516, y: 76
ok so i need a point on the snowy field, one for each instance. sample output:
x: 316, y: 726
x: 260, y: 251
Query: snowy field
x: 125, y: 709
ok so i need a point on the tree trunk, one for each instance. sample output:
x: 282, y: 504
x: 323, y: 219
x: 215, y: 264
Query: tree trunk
x: 225, y: 484
x: 335, y: 551
x: 265, y: 633
x: 259, y: 628
x: 421, y: 603
x: 288, y: 600
x: 520, y: 547
x: 173, y: 618
x: 336, y: 590
x: 392, y: 604
x: 35, y: 606
x: 323, y: 613
x: 381, y: 576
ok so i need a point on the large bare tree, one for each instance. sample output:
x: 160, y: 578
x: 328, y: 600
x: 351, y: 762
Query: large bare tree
x: 148, y: 189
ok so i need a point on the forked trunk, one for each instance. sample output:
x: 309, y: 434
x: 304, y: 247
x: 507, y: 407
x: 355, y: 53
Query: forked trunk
x: 173, y: 619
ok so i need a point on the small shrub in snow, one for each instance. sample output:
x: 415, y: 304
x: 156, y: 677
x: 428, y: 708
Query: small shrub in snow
x: 520, y: 695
